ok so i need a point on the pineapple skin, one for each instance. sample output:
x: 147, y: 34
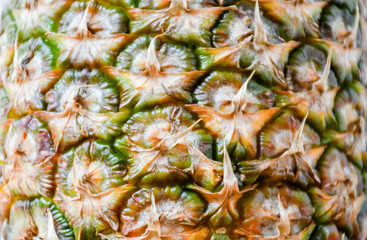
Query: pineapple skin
x: 183, y: 119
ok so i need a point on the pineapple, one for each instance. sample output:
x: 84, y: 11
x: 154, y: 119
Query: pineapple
x: 183, y: 119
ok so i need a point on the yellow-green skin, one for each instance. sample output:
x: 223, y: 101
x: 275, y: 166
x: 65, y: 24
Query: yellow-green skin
x: 183, y: 119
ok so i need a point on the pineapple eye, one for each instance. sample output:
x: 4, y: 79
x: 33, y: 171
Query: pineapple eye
x: 173, y: 218
x: 35, y: 17
x: 220, y: 88
x: 38, y: 218
x: 93, y: 165
x: 277, y: 136
x: 346, y: 110
x: 158, y: 147
x: 237, y: 25
x: 338, y: 174
x: 172, y: 58
x: 265, y: 209
x: 147, y: 129
x: 337, y: 23
x: 342, y: 188
x: 29, y: 150
x: 305, y: 67
x: 34, y: 58
x: 92, y: 90
x: 101, y: 20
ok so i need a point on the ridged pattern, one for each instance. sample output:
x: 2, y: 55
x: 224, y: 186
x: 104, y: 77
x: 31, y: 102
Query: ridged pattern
x: 183, y: 119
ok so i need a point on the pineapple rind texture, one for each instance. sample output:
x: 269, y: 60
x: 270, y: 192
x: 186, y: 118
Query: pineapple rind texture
x: 183, y: 119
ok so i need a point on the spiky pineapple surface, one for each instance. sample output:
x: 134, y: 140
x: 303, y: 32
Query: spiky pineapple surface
x: 183, y: 119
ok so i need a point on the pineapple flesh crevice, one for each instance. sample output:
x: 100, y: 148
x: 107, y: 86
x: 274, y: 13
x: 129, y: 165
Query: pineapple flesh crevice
x: 183, y: 119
